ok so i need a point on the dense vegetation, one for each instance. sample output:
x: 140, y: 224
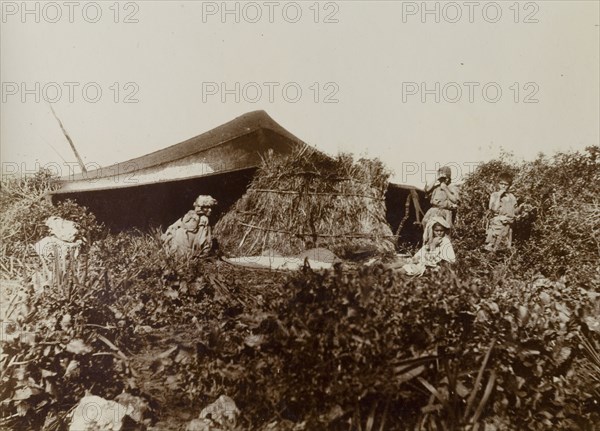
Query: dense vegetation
x: 508, y: 341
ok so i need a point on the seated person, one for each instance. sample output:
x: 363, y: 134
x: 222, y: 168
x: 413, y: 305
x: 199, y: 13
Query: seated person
x: 192, y: 234
x: 436, y: 249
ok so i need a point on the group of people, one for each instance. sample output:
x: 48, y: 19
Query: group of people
x: 438, y: 223
x: 192, y: 235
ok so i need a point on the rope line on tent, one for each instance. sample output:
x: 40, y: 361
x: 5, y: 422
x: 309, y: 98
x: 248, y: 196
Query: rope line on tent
x: 356, y: 235
x: 327, y: 177
x: 314, y: 193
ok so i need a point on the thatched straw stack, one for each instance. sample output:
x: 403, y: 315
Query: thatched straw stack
x: 310, y: 200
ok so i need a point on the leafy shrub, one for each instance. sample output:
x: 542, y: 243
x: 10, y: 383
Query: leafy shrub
x: 439, y: 352
x: 64, y: 343
x: 25, y: 208
x: 65, y: 338
x: 563, y: 238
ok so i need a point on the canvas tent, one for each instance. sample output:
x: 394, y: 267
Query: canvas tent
x: 157, y: 188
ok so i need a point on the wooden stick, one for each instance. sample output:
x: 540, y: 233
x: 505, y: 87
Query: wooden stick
x: 81, y: 164
x: 406, y: 214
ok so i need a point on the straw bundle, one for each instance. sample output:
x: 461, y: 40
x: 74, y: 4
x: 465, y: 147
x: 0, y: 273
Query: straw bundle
x: 310, y: 200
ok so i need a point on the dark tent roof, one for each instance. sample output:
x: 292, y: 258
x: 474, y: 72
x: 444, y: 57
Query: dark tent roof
x: 230, y: 147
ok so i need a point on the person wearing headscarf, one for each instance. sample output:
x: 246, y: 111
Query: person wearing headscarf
x: 503, y: 208
x: 192, y: 233
x: 437, y: 248
x: 443, y: 196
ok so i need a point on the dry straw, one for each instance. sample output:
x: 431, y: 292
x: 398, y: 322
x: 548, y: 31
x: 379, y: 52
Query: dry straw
x: 310, y: 200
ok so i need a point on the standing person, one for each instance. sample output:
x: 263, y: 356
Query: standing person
x: 503, y: 207
x: 444, y: 198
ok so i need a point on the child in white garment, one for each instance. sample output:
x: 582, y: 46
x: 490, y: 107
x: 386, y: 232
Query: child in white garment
x: 437, y: 248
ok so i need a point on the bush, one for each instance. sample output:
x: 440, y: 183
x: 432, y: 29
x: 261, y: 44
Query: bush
x: 65, y: 340
x: 63, y: 336
x: 438, y: 352
x: 25, y: 208
x: 562, y: 239
x: 499, y: 342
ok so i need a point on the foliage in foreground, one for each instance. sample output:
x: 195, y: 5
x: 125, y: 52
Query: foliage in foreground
x: 64, y: 339
x: 495, y: 344
x: 341, y: 350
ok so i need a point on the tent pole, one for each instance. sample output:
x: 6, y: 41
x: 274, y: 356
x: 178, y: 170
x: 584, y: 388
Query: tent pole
x: 81, y: 164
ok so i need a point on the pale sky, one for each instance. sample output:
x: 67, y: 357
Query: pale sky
x: 372, y: 59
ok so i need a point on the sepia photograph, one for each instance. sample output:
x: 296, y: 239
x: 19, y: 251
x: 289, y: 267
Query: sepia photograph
x: 300, y: 215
